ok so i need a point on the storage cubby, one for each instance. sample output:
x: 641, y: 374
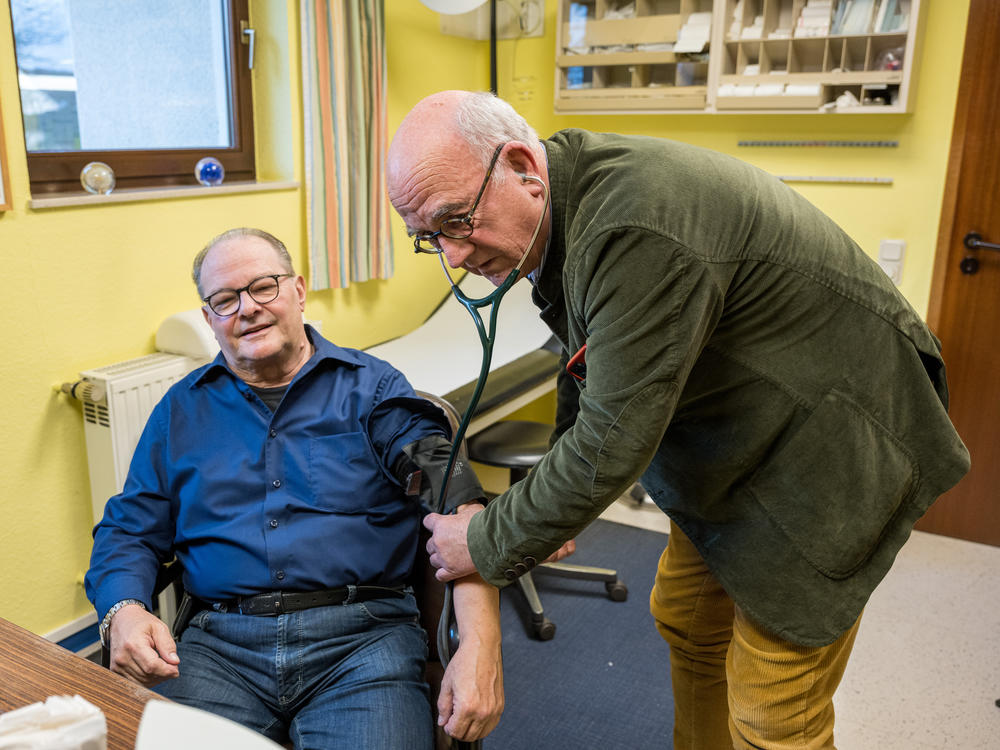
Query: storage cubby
x: 840, y: 56
x: 628, y: 56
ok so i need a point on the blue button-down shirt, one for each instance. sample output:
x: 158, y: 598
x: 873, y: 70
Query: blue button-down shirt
x: 249, y: 500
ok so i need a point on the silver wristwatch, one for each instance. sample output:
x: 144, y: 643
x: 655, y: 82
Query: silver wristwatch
x: 106, y: 622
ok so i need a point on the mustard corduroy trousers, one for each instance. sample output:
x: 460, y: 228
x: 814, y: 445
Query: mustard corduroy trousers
x: 734, y: 683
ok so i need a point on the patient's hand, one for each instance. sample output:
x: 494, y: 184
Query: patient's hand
x: 141, y: 647
x: 472, y: 699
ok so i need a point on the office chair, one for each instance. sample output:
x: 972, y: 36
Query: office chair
x: 517, y: 445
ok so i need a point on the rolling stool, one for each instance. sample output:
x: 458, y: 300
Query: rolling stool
x: 517, y: 446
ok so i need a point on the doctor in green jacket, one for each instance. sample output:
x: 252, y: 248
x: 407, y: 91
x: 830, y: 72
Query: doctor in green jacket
x: 760, y: 375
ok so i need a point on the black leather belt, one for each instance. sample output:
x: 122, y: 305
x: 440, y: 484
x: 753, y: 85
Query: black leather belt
x: 280, y: 602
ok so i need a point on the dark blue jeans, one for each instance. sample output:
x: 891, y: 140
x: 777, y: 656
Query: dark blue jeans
x: 348, y: 676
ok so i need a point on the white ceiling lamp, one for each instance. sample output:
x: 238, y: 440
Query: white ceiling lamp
x: 454, y: 7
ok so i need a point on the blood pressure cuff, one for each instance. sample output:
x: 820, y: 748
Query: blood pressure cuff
x: 419, y: 466
x: 421, y: 470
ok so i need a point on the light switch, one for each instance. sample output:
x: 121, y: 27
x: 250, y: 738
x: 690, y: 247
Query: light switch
x: 891, y: 249
x: 890, y: 258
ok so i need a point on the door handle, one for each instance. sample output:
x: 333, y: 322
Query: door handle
x: 975, y: 241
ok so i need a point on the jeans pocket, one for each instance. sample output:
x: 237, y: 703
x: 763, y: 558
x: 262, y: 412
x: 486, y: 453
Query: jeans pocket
x: 835, y: 485
x: 391, y: 610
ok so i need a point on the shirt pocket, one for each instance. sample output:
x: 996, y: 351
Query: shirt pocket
x: 835, y: 486
x: 341, y: 472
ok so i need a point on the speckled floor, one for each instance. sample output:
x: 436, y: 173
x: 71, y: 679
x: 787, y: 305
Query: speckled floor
x: 925, y: 671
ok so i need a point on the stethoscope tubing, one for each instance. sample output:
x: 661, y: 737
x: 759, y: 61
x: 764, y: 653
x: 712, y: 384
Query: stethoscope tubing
x: 487, y: 338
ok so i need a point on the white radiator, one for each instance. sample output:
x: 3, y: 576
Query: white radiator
x: 112, y: 424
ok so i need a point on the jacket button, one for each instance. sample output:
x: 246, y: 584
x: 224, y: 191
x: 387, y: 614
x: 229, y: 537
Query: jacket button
x: 510, y: 574
x: 521, y: 568
x: 530, y: 562
x: 276, y: 483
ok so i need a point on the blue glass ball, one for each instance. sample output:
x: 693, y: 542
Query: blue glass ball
x: 209, y: 171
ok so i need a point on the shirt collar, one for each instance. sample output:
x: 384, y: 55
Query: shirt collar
x: 324, y: 350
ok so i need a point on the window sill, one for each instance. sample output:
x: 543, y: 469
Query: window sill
x: 134, y: 195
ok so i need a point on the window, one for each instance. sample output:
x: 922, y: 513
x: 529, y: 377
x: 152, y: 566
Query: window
x: 147, y: 86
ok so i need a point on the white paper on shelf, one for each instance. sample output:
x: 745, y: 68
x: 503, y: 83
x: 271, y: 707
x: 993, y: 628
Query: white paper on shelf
x: 802, y: 89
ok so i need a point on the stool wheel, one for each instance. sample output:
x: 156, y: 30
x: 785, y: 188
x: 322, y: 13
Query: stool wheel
x: 617, y: 591
x: 543, y: 629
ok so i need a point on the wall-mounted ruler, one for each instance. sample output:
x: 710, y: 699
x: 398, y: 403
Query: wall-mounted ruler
x: 838, y: 144
x: 817, y: 178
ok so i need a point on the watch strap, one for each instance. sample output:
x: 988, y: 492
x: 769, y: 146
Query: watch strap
x: 106, y: 622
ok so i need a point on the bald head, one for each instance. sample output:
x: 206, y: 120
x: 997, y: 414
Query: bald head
x: 429, y: 126
x: 454, y: 126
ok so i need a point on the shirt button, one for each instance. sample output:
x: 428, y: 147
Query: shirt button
x: 274, y: 433
x: 273, y: 524
x: 276, y: 483
x: 280, y: 575
x: 248, y: 396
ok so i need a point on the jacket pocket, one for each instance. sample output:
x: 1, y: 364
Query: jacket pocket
x: 341, y: 470
x: 835, y: 485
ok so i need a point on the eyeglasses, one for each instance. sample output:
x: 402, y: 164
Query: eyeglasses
x: 457, y: 228
x: 262, y: 290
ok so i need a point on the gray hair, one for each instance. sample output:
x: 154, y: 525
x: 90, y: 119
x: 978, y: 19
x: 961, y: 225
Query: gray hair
x: 485, y: 121
x: 279, y: 248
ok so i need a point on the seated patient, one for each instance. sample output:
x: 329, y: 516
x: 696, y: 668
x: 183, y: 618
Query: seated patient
x: 289, y: 477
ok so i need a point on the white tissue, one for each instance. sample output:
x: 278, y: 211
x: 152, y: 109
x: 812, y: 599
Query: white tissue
x: 60, y: 723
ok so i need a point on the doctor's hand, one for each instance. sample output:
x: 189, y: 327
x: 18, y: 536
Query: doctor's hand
x: 563, y: 552
x: 447, y: 547
x: 141, y: 647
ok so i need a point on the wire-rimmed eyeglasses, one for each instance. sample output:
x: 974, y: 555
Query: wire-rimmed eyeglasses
x: 262, y: 290
x: 458, y: 227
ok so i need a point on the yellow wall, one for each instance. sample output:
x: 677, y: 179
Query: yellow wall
x: 88, y: 286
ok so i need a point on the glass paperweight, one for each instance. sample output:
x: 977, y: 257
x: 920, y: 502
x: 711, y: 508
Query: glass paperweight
x: 97, y: 178
x: 209, y: 171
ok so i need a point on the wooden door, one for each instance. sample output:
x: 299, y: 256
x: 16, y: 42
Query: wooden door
x: 965, y: 307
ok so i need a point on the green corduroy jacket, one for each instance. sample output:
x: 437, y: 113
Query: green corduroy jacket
x: 776, y: 395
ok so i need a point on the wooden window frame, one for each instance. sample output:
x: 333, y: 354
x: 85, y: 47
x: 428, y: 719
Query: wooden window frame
x: 59, y: 172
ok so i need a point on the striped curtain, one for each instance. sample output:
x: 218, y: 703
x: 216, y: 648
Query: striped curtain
x: 344, y: 75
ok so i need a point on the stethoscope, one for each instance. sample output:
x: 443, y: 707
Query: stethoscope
x: 446, y: 634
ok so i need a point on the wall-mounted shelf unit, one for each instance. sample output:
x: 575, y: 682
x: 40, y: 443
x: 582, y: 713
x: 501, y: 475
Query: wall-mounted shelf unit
x: 843, y: 56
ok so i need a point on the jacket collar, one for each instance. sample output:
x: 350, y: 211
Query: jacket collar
x: 547, y: 293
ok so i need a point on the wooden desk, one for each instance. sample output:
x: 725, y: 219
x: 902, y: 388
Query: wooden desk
x: 32, y: 669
